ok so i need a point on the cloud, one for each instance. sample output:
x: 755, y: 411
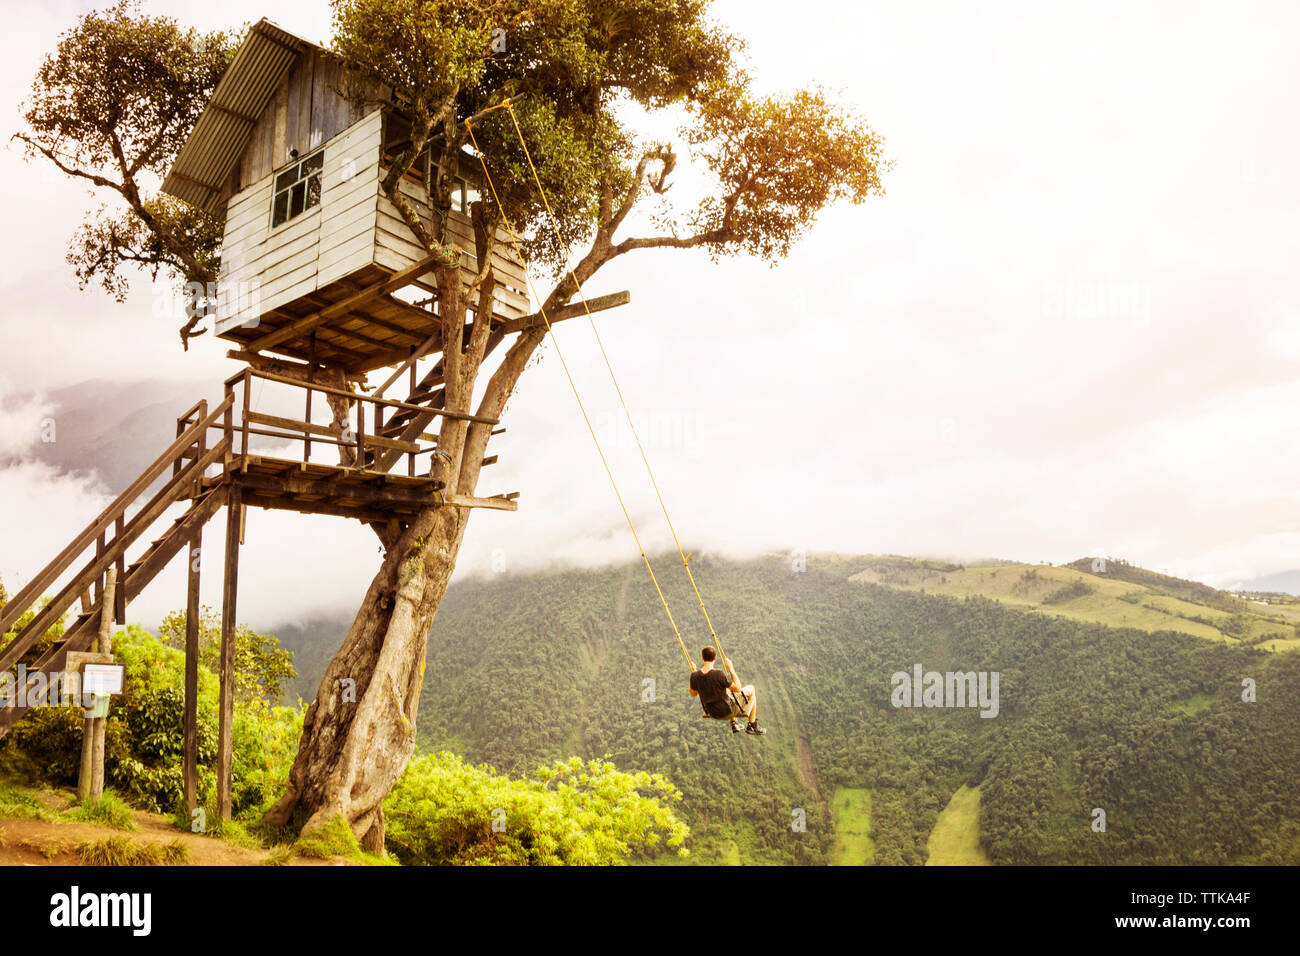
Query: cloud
x: 1069, y: 325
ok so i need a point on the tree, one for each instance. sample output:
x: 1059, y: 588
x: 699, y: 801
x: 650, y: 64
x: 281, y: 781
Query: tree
x: 113, y: 106
x: 261, y: 664
x: 573, y: 72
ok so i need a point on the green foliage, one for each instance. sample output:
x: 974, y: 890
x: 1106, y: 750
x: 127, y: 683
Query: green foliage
x: 281, y: 855
x: 123, y: 851
x: 1090, y: 715
x: 1193, y: 591
x: 444, y: 811
x: 262, y: 667
x: 335, y: 839
x: 112, y: 107
x: 768, y: 165
x: 46, y: 745
x: 20, y: 804
x: 109, y: 810
x: 144, y: 739
x: 1068, y: 592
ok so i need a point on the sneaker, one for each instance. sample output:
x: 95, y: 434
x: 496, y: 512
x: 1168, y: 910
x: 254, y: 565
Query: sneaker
x: 735, y: 727
x: 753, y: 728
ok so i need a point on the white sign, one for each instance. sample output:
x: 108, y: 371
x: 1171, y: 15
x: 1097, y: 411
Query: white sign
x: 101, y: 679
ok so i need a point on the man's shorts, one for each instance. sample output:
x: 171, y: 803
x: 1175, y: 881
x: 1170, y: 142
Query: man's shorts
x: 741, y: 704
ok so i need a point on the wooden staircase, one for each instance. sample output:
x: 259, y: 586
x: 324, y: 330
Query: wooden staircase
x: 130, y: 516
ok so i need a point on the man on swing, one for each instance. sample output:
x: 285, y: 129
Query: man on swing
x: 721, y: 694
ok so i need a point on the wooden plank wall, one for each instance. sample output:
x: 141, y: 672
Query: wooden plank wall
x: 396, y: 248
x: 306, y: 111
x: 264, y: 268
x: 352, y: 228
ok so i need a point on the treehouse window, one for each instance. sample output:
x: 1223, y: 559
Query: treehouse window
x: 297, y: 188
x: 463, y: 195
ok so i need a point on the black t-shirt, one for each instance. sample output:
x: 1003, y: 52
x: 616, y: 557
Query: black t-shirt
x: 712, y: 688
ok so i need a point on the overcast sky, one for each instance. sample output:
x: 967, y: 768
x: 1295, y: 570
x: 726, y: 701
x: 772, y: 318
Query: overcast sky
x: 1072, y: 325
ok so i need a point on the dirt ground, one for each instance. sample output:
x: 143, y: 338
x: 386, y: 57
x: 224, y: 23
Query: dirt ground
x: 25, y: 842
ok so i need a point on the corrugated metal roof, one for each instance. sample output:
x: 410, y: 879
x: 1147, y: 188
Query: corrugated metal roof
x: 222, y: 132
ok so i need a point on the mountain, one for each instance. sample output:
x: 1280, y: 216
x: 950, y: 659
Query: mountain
x: 1145, y: 724
x: 1103, y: 591
x: 113, y: 428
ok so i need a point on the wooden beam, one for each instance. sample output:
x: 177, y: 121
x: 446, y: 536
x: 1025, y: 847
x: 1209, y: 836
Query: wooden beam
x: 226, y: 698
x: 26, y: 597
x: 598, y: 304
x: 139, y: 523
x: 256, y: 499
x: 332, y: 489
x: 414, y: 357
x: 296, y: 328
x: 387, y: 402
x: 494, y: 504
x: 79, y: 636
x: 428, y: 321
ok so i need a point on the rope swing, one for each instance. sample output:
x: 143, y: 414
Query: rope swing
x: 514, y: 239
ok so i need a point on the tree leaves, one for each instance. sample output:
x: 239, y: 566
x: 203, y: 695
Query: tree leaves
x: 112, y: 106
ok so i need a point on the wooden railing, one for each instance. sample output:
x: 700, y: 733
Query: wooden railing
x: 363, y: 434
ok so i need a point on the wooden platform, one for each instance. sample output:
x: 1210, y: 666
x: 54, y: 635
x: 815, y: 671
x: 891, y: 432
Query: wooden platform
x: 311, y: 488
x: 376, y: 331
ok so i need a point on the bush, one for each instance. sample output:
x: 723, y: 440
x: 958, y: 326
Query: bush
x: 109, y: 810
x: 1075, y: 589
x: 145, y: 736
x: 444, y: 811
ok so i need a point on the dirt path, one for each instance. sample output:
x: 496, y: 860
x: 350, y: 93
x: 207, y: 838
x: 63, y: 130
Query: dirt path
x: 29, y: 842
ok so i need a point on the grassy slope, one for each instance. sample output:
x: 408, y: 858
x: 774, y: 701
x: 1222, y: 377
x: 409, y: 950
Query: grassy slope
x: 1110, y: 600
x: 851, y: 808
x: 45, y: 826
x: 955, y: 839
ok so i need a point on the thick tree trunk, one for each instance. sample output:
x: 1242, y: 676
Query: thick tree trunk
x: 359, y: 733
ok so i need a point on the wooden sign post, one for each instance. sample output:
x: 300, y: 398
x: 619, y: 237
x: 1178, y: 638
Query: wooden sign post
x: 90, y: 780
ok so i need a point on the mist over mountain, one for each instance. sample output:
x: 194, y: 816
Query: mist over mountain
x: 1283, y: 582
x: 104, y: 427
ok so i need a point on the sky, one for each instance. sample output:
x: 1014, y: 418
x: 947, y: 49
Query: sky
x: 1070, y: 327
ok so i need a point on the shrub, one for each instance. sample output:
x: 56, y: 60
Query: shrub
x: 109, y: 810
x: 444, y: 811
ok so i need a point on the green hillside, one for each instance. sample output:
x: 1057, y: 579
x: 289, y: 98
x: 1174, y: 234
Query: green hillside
x: 1114, y: 593
x: 1145, y: 722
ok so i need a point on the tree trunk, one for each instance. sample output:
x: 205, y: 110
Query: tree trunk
x: 359, y: 732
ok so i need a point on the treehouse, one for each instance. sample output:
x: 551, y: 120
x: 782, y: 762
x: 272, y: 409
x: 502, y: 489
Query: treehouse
x: 318, y: 266
x: 317, y: 263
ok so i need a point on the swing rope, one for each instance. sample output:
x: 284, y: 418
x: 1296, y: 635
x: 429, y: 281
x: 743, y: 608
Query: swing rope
x: 541, y: 191
x: 514, y: 240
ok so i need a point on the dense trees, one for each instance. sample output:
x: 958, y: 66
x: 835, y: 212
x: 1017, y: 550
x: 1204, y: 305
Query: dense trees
x: 526, y: 669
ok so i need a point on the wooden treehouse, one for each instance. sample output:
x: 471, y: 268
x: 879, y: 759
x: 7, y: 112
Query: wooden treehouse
x: 319, y: 272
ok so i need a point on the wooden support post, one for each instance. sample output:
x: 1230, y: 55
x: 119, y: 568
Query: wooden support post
x: 90, y: 779
x: 190, y: 767
x: 119, y: 609
x: 226, y: 704
x: 311, y: 372
x: 101, y: 545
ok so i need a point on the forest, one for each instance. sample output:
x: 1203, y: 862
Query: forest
x: 1149, y: 727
